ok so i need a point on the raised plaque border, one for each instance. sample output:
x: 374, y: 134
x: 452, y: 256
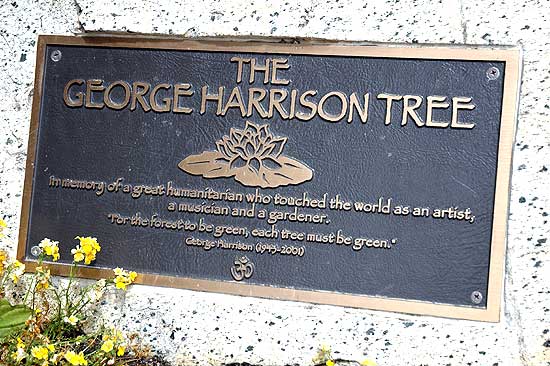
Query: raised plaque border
x: 512, y: 58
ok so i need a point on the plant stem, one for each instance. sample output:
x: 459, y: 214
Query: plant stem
x: 71, y: 276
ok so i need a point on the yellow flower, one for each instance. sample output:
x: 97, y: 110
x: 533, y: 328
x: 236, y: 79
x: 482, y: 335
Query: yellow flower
x: 78, y: 255
x: 72, y: 320
x: 107, y: 346
x: 87, y: 249
x: 42, y: 285
x: 40, y: 352
x: 50, y: 248
x: 19, y: 354
x: 123, y: 278
x: 76, y: 359
x: 132, y: 276
x: 120, y: 351
x: 14, y: 277
x: 330, y: 363
x: 18, y: 269
x: 43, y: 277
x: 368, y: 362
x: 3, y: 260
x: 120, y: 283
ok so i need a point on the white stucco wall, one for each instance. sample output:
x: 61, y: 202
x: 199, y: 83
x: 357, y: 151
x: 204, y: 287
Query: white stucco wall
x: 182, y: 323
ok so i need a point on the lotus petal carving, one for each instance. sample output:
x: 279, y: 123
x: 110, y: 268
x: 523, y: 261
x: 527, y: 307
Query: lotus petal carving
x: 253, y: 156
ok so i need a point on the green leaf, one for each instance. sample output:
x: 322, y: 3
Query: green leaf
x: 12, y: 318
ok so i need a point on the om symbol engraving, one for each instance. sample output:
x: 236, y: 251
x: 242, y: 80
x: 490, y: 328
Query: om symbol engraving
x: 242, y: 268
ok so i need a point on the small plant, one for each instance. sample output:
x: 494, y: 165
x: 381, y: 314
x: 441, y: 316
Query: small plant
x: 52, y: 321
x: 324, y: 357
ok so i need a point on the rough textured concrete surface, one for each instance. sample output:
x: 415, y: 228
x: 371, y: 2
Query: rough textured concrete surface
x: 270, y: 332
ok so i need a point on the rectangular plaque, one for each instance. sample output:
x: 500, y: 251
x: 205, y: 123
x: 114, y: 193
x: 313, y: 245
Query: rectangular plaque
x: 353, y: 175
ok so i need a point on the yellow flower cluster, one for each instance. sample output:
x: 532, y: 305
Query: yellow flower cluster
x: 34, y: 348
x: 76, y: 359
x: 123, y: 278
x: 86, y: 250
x: 3, y: 261
x: 43, y: 278
x: 42, y: 352
x: 50, y: 248
x: 17, y: 270
x: 19, y: 354
x: 111, y: 340
x: 46, y: 353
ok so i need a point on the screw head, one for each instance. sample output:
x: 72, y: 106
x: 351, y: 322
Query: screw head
x: 476, y: 297
x: 55, y: 55
x: 36, y: 251
x: 493, y: 73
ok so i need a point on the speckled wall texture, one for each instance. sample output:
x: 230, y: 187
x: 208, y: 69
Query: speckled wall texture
x: 199, y: 328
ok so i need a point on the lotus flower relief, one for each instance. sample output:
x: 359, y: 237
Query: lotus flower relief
x: 253, y: 156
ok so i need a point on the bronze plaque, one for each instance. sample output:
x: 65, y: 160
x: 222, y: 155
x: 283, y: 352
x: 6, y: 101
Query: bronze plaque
x: 362, y: 176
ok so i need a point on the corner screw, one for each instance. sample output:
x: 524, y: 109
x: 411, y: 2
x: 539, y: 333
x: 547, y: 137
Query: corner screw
x: 56, y: 55
x: 36, y: 251
x: 476, y: 297
x: 492, y: 73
